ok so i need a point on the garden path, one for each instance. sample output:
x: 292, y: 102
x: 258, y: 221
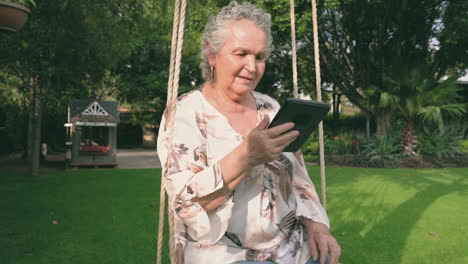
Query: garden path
x: 137, y: 158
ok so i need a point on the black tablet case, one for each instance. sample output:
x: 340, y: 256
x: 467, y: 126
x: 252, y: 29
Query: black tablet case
x: 305, y: 114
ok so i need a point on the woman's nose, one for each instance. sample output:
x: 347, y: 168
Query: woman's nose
x: 251, y: 64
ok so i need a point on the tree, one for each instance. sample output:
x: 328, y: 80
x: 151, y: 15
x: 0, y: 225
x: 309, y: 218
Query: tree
x: 64, y: 46
x: 363, y: 42
x: 143, y: 76
x: 415, y: 97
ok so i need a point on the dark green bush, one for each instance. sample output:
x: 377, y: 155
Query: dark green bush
x: 443, y: 145
x: 337, y: 146
x: 311, y: 151
x: 346, y: 123
x: 342, y: 144
x: 381, y: 152
x: 463, y: 145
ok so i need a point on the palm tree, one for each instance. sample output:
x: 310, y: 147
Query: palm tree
x: 413, y: 92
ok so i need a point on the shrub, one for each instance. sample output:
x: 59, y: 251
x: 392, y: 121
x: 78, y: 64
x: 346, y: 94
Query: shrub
x: 337, y: 146
x: 311, y: 151
x: 381, y: 152
x: 345, y: 143
x: 463, y: 145
x: 443, y: 145
x: 346, y: 123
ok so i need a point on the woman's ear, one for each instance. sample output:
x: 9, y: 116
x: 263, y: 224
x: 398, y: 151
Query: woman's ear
x: 210, y: 55
x: 211, y: 59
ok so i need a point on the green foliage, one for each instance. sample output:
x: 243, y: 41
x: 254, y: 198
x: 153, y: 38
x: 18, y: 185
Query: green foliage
x: 442, y: 145
x: 12, y: 114
x: 311, y: 148
x: 337, y: 146
x: 463, y: 145
x: 69, y: 50
x: 344, y: 143
x: 346, y: 123
x: 381, y: 152
x: 416, y: 96
x: 24, y: 2
x: 373, y: 51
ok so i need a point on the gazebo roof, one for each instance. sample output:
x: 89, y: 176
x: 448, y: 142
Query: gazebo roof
x: 93, y: 112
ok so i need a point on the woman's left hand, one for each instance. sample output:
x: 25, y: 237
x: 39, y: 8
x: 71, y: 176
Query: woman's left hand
x: 322, y: 243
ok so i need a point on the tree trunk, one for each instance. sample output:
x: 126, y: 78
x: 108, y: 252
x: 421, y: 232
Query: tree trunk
x: 149, y: 136
x: 336, y: 98
x: 36, y: 142
x: 39, y: 89
x: 383, y: 120
x: 367, y: 126
x: 408, y: 140
x: 29, y: 140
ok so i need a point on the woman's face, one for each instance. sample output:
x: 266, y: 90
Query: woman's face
x: 240, y: 63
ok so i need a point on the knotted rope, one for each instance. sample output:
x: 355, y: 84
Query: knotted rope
x: 172, y: 91
x: 317, y: 81
x: 318, y: 85
x: 293, y: 46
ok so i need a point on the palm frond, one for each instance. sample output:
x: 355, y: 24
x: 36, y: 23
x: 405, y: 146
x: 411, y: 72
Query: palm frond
x: 456, y: 110
x: 412, y: 106
x: 387, y: 99
x: 432, y: 114
x: 443, y: 93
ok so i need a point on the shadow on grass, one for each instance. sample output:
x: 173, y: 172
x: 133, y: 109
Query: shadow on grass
x: 385, y: 241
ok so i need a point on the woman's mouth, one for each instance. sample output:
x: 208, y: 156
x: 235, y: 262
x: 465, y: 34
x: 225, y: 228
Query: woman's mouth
x: 247, y: 79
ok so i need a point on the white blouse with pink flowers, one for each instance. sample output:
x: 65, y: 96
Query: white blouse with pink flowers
x: 262, y: 218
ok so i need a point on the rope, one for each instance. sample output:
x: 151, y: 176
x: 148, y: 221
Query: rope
x: 293, y: 46
x: 173, y: 87
x: 318, y: 85
x: 162, y: 197
x: 318, y: 82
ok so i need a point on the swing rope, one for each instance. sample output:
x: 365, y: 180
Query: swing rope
x: 173, y: 88
x: 293, y: 47
x: 317, y: 83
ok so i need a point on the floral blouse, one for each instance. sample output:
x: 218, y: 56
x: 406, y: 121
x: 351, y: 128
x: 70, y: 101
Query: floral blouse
x: 262, y: 218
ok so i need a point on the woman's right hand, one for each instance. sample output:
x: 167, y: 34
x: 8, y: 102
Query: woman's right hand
x: 265, y: 144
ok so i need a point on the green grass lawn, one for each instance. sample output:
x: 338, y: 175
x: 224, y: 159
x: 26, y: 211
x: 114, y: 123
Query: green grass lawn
x: 109, y: 216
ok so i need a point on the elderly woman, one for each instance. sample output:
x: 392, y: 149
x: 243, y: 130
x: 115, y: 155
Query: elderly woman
x: 237, y: 197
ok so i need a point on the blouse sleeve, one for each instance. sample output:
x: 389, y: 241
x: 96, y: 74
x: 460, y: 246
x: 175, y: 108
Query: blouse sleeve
x: 308, y: 203
x: 188, y: 176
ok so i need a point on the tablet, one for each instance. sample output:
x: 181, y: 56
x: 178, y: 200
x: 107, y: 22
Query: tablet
x: 305, y: 114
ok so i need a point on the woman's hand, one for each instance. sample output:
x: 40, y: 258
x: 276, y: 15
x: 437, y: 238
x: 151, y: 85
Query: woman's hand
x: 265, y: 144
x: 322, y: 243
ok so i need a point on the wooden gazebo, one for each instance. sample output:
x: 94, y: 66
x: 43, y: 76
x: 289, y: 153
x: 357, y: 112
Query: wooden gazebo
x: 92, y: 133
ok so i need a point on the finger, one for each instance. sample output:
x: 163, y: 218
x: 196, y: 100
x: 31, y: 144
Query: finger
x: 286, y: 139
x: 335, y: 253
x: 280, y: 129
x: 333, y: 258
x: 314, y: 249
x: 323, y: 252
x: 263, y: 124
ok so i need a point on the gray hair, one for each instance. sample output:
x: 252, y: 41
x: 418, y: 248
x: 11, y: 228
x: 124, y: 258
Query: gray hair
x: 216, y: 28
